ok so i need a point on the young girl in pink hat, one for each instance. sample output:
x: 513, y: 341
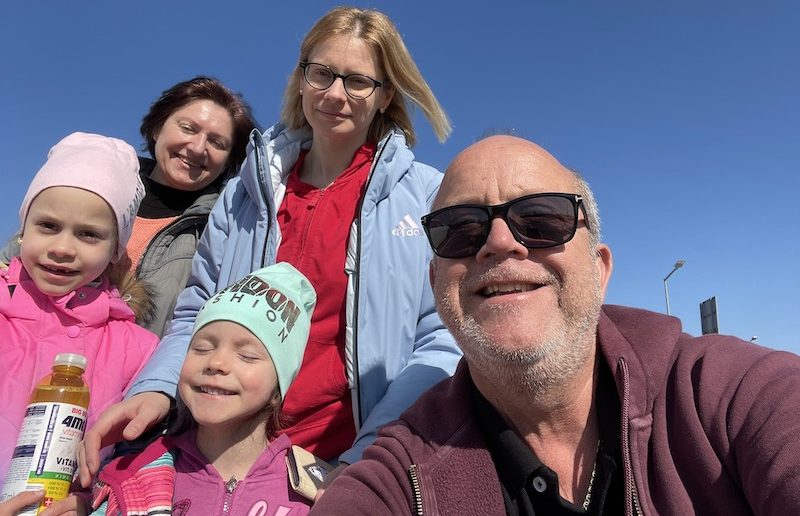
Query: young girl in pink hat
x: 58, y: 295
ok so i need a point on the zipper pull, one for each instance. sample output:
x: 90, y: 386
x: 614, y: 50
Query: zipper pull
x: 231, y: 485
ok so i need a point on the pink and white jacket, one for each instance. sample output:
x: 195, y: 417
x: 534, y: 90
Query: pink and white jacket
x: 92, y: 320
x: 171, y: 476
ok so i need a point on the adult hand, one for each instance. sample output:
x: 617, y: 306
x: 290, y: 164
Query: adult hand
x: 330, y: 477
x: 18, y: 502
x: 69, y: 506
x: 125, y: 420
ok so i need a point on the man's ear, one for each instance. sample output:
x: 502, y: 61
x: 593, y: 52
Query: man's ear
x: 432, y: 271
x: 604, y: 262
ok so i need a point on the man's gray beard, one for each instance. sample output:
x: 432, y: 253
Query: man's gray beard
x: 533, y: 371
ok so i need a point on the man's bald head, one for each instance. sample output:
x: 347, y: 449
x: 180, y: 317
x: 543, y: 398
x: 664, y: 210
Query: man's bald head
x: 509, y: 163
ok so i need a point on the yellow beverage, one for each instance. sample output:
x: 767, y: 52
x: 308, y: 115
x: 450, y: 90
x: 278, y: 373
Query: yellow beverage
x: 55, y: 419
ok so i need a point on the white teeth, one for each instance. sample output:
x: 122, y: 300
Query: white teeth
x: 60, y: 270
x: 215, y: 392
x: 506, y: 288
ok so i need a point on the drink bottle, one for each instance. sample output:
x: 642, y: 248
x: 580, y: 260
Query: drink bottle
x: 45, y: 454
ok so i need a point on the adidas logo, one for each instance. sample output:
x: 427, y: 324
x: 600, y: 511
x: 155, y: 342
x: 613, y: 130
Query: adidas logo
x: 407, y: 228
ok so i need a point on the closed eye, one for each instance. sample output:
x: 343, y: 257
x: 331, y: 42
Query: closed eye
x: 249, y: 358
x: 219, y: 144
x: 201, y: 349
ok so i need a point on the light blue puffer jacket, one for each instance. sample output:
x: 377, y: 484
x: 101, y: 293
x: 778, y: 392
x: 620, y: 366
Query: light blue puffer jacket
x: 396, y: 345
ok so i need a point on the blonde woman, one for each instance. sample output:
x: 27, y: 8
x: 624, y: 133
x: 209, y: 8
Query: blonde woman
x: 335, y: 190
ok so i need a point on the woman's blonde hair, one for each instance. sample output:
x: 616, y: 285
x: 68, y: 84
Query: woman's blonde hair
x: 378, y: 31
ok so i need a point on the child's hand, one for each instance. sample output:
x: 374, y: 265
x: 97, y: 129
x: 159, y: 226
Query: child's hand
x: 125, y: 420
x: 18, y: 502
x: 69, y: 506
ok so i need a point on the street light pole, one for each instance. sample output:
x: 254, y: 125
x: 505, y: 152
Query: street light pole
x: 675, y: 267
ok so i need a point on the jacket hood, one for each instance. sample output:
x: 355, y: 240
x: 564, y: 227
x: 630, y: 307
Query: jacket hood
x: 93, y: 304
x: 138, y: 294
x: 394, y: 159
x: 648, y: 361
x: 444, y: 397
x: 272, y: 154
x: 186, y: 442
x: 656, y: 338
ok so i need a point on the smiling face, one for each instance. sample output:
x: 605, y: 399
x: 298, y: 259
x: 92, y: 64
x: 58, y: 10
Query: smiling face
x: 68, y: 239
x: 193, y: 146
x: 528, y: 314
x: 228, y: 379
x: 331, y: 113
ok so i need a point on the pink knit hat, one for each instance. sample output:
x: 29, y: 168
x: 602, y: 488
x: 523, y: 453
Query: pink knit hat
x: 102, y: 165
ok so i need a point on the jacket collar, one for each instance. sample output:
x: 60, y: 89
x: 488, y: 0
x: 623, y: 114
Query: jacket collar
x: 272, y: 154
x: 393, y: 158
x: 646, y: 342
x: 93, y: 304
x: 648, y: 362
x: 454, y: 464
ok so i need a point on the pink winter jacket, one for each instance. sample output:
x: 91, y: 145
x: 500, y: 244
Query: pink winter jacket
x: 34, y: 328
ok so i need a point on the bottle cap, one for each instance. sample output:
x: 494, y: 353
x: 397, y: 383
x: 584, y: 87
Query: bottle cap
x: 70, y: 359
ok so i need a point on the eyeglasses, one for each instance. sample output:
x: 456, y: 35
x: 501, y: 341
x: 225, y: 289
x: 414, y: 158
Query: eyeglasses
x: 356, y: 85
x: 536, y: 221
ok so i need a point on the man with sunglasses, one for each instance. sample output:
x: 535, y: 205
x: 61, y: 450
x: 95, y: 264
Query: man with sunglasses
x: 563, y: 405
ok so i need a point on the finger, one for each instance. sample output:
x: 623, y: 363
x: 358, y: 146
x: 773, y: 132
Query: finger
x: 151, y: 408
x: 89, y: 456
x: 105, y: 431
x: 20, y: 501
x: 84, y: 473
x: 66, y: 507
x: 139, y: 424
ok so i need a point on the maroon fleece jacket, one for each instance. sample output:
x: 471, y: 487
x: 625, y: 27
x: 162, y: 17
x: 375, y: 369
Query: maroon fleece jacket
x: 709, y: 425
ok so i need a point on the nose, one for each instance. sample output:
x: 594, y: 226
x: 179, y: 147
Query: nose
x: 219, y: 362
x: 197, y: 144
x: 501, y: 243
x: 62, y: 247
x: 336, y: 90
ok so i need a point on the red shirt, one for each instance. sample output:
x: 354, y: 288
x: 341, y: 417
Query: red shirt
x: 315, y: 227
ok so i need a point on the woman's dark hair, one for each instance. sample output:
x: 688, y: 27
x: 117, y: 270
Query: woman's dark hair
x: 201, y: 88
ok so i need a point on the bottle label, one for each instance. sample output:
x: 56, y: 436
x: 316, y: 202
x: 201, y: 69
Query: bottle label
x: 45, y: 454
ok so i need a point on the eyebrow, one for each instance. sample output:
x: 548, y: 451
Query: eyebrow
x: 239, y: 344
x: 339, y: 70
x: 51, y: 217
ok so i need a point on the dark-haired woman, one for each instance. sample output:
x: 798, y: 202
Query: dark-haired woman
x: 196, y: 133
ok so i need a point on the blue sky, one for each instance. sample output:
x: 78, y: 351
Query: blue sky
x: 683, y: 116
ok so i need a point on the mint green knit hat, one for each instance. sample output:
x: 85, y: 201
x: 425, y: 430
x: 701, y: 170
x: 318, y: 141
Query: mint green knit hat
x: 275, y: 303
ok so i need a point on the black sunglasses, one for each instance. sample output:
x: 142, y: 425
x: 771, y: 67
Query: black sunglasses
x: 536, y: 221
